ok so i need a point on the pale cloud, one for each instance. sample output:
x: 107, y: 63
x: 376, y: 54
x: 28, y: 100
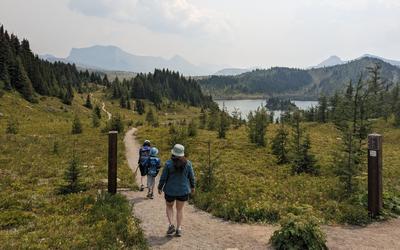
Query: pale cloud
x: 167, y: 16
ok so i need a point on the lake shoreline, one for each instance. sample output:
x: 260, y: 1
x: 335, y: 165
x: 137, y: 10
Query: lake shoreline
x: 245, y: 106
x: 240, y: 98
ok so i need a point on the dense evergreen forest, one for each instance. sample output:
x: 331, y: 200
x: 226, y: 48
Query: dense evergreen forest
x: 157, y: 86
x: 310, y: 83
x: 25, y: 72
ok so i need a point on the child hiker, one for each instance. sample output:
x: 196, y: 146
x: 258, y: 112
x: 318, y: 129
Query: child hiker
x: 144, y: 154
x: 153, y: 167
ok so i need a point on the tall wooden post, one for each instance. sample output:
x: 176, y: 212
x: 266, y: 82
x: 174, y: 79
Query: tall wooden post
x: 374, y: 174
x: 112, y: 161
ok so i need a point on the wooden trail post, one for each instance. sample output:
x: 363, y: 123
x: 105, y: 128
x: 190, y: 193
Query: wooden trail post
x: 112, y: 161
x: 374, y: 174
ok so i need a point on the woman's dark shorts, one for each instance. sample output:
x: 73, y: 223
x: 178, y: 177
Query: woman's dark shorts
x: 143, y: 170
x: 179, y: 198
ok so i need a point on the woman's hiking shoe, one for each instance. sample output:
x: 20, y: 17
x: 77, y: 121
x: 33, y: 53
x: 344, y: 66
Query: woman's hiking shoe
x: 171, y: 229
x: 178, y: 232
x: 141, y: 188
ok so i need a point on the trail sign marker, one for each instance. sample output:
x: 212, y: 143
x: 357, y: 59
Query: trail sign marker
x: 112, y: 161
x: 375, y: 174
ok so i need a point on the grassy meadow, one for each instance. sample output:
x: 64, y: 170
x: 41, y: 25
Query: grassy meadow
x: 251, y: 187
x: 32, y: 168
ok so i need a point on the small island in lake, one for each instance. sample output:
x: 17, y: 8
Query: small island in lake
x: 276, y: 103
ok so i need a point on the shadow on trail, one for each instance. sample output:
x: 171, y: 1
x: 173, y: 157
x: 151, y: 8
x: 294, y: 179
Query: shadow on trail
x: 160, y: 240
x: 138, y: 200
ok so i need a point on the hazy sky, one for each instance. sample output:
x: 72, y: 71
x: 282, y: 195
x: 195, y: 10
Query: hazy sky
x: 296, y: 33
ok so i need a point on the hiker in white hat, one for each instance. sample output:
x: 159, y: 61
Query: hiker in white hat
x: 178, y: 182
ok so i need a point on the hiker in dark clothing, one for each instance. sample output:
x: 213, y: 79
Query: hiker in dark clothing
x: 178, y: 182
x: 144, y: 155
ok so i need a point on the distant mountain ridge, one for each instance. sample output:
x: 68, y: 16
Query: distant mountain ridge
x: 231, y: 72
x: 114, y: 58
x: 335, y: 60
x: 296, y: 83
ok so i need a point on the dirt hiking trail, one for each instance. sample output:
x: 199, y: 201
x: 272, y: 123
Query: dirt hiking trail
x: 204, y: 231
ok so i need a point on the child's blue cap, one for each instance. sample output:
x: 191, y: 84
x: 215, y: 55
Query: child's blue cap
x: 153, y: 152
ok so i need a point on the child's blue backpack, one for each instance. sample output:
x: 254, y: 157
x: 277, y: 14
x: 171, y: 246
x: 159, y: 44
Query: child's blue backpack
x: 154, y: 166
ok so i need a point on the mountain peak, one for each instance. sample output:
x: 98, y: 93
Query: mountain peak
x: 111, y: 57
x: 331, y: 61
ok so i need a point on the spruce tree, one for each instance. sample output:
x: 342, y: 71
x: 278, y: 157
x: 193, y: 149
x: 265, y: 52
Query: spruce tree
x: 122, y: 102
x: 280, y: 145
x: 236, y: 118
x: 88, y: 103
x: 257, y: 126
x: 128, y: 103
x: 192, y: 128
x: 354, y: 128
x: 179, y: 135
x: 139, y: 107
x: 305, y: 162
x: 322, y: 109
x: 21, y: 81
x: 97, y: 111
x: 397, y: 114
x: 4, y: 76
x: 68, y: 95
x: 297, y: 132
x: 203, y: 119
x: 72, y: 178
x: 95, y: 120
x: 213, y: 119
x: 76, y: 126
x: 207, y: 178
x: 116, y: 123
x: 223, y: 124
x: 151, y: 117
x: 395, y: 97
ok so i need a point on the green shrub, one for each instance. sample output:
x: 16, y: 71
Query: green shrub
x: 354, y: 215
x: 115, y: 124
x: 151, y: 118
x: 299, y: 233
x: 138, y: 123
x: 13, y: 219
x: 391, y: 203
x: 179, y: 135
x: 56, y: 147
x: 192, y: 128
x: 76, y: 126
x: 12, y: 126
x: 95, y: 120
x: 111, y: 217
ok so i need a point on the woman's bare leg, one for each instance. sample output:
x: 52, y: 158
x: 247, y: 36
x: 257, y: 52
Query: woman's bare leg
x: 179, y: 213
x: 170, y: 211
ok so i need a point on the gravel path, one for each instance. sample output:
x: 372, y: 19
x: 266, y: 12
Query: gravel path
x: 103, y: 107
x: 203, y: 231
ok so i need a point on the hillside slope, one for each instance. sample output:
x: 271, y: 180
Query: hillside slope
x: 32, y: 167
x: 291, y: 82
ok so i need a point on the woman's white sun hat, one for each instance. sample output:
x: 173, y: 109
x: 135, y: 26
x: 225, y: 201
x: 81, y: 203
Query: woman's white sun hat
x: 178, y: 150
